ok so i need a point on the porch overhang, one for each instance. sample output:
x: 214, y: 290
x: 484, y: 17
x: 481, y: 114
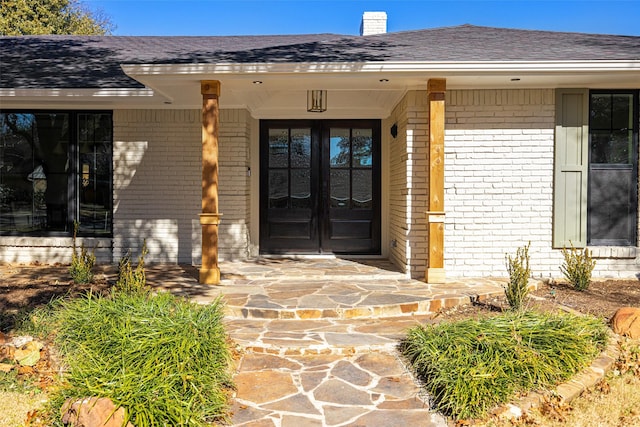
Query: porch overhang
x: 365, y: 89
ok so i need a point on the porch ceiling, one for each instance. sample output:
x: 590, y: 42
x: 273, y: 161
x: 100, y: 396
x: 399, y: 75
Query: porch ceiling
x: 365, y: 89
x: 355, y: 90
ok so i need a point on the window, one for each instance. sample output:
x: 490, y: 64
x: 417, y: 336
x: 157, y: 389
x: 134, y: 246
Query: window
x: 596, y: 168
x: 613, y: 182
x: 55, y: 169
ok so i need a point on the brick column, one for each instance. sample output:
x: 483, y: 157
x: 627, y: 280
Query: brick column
x: 435, y: 215
x: 210, y: 217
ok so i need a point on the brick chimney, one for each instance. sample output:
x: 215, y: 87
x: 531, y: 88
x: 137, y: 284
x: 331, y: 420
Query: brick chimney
x: 373, y: 23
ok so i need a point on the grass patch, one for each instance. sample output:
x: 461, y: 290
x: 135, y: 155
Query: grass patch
x: 469, y: 367
x: 162, y: 358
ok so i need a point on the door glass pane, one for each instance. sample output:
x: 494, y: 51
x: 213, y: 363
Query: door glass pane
x: 340, y: 188
x: 301, y: 188
x: 362, y: 196
x: 340, y: 148
x: 362, y: 145
x: 278, y: 148
x: 279, y: 189
x: 300, y: 148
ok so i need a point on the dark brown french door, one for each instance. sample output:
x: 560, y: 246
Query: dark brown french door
x: 320, y: 186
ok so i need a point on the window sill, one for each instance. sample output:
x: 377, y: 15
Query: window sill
x: 62, y: 242
x: 617, y: 252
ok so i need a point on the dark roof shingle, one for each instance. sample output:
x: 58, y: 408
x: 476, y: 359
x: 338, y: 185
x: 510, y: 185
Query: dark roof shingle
x: 94, y: 62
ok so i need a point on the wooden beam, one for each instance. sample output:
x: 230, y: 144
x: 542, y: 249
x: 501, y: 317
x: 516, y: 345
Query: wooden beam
x: 435, y: 216
x: 210, y: 217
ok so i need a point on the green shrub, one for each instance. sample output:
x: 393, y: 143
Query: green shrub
x: 132, y: 280
x: 162, y: 358
x: 469, y: 367
x: 81, y: 269
x: 519, y: 273
x: 577, y: 267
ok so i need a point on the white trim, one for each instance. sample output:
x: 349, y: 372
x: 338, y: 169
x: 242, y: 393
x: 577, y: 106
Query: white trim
x: 77, y: 93
x: 396, y: 67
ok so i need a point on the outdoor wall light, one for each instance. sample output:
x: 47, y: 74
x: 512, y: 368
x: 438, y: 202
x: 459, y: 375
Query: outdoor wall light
x: 316, y: 101
x: 394, y: 130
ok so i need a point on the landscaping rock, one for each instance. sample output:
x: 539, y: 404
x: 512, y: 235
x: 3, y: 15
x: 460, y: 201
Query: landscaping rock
x: 92, y: 412
x: 626, y: 321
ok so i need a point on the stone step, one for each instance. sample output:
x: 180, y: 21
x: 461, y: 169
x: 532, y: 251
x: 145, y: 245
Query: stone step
x: 321, y: 336
x: 369, y: 300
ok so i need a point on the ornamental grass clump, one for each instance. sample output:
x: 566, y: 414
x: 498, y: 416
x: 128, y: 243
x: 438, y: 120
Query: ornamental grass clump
x: 577, y: 267
x: 162, y: 358
x: 132, y: 280
x: 519, y: 273
x: 469, y: 367
x: 81, y: 269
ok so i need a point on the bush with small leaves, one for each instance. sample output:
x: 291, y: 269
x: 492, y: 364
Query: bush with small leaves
x: 519, y: 273
x: 577, y: 267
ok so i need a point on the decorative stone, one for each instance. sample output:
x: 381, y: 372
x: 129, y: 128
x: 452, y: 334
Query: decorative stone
x: 93, y: 412
x: 626, y: 321
x: 264, y: 386
x: 339, y: 392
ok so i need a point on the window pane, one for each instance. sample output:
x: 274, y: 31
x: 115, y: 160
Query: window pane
x: 340, y: 151
x: 39, y: 176
x: 340, y: 188
x: 34, y: 171
x: 279, y: 189
x: 600, y: 111
x: 621, y: 112
x: 612, y: 147
x: 301, y: 188
x: 611, y: 129
x: 278, y: 148
x: 362, y: 143
x: 300, y: 148
x: 362, y: 197
x: 94, y: 179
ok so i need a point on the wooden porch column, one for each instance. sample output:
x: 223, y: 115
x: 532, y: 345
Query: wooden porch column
x: 435, y: 215
x: 210, y: 217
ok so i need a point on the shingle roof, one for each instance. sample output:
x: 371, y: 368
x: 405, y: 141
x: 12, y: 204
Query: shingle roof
x: 94, y: 62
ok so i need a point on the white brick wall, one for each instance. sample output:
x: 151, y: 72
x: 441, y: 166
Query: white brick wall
x: 407, y: 187
x: 157, y: 183
x: 157, y: 160
x: 499, y: 184
x: 234, y: 194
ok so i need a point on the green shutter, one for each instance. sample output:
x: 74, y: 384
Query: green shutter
x: 571, y: 164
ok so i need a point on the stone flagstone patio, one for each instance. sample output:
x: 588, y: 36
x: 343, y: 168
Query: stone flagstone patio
x: 319, y: 337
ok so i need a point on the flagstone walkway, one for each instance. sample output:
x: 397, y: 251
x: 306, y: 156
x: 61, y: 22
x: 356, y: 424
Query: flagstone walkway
x: 319, y: 338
